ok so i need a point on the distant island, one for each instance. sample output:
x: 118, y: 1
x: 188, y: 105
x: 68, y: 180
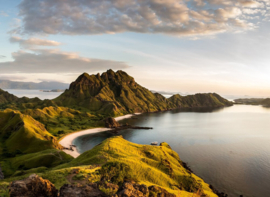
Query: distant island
x: 265, y: 102
x: 54, y: 90
x: 45, y: 85
x: 30, y: 130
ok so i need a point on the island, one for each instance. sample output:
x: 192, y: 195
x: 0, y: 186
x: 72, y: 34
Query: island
x: 265, y: 102
x: 31, y: 152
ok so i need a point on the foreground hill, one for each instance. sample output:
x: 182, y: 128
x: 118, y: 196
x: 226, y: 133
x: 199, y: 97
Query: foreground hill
x: 117, y: 166
x: 117, y: 93
x: 22, y: 134
x: 25, y: 144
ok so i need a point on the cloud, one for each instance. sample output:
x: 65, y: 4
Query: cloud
x: 2, y: 56
x: 56, y: 61
x: 12, y: 77
x: 33, y: 42
x: 254, y: 11
x: 2, y: 13
x: 176, y: 17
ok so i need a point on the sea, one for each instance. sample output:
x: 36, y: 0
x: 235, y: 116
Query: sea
x: 33, y: 93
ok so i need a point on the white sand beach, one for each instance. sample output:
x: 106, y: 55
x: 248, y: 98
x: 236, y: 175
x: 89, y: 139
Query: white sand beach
x: 126, y: 116
x: 68, y: 140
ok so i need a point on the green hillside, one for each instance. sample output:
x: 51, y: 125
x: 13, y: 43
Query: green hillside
x: 6, y: 97
x: 33, y: 162
x: 116, y: 160
x: 117, y: 93
x: 63, y: 120
x: 22, y: 134
x: 111, y: 93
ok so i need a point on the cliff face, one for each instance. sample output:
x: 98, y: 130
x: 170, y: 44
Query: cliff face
x: 117, y: 93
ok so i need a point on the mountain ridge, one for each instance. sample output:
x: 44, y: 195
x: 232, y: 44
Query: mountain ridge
x: 117, y: 93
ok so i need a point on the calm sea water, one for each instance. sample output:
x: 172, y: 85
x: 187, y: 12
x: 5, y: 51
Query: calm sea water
x: 34, y: 93
x: 229, y: 148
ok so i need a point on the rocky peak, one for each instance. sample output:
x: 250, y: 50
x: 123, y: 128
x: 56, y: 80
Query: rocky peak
x: 119, y: 77
x: 86, y: 78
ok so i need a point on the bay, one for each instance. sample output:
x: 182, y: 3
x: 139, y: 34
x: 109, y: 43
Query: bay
x: 229, y: 147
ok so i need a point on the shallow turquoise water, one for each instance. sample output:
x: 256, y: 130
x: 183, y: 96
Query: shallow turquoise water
x: 229, y: 148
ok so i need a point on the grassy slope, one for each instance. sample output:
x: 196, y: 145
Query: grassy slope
x: 39, y: 161
x: 5, y: 97
x: 120, y: 159
x: 22, y: 133
x: 147, y: 164
x: 8, y: 100
x: 24, y: 143
x: 62, y: 120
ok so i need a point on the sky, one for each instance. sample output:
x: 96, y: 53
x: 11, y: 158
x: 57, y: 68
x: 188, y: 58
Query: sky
x: 185, y: 46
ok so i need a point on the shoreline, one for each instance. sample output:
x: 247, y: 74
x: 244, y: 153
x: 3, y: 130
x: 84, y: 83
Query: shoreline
x: 67, y: 140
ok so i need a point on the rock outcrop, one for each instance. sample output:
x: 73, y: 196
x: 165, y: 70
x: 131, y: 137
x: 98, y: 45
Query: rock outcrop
x: 131, y: 189
x: 89, y: 190
x: 128, y: 189
x: 111, y: 123
x: 33, y: 186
